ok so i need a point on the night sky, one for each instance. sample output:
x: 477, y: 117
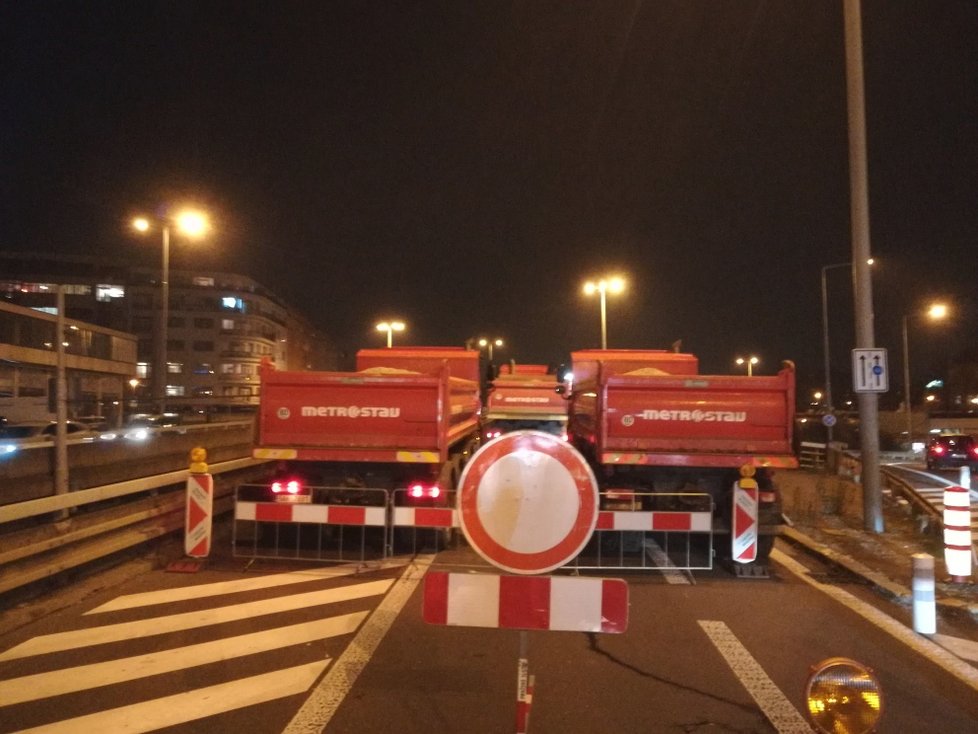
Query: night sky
x: 466, y: 166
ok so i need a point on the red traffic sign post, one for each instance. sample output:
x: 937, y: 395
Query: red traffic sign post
x: 528, y: 502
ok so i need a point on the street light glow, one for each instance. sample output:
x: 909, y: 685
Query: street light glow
x: 612, y: 284
x: 389, y: 327
x: 749, y: 361
x: 192, y: 223
x: 140, y: 224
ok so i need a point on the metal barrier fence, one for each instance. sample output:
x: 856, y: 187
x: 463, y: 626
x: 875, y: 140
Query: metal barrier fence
x: 328, y: 524
x: 340, y: 524
x: 654, y: 532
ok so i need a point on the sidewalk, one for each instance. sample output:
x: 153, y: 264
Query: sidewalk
x: 825, y: 513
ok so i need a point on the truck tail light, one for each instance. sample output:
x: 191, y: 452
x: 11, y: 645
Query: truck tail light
x: 422, y: 491
x: 287, y: 486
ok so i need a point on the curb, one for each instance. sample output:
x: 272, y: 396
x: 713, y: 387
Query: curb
x: 880, y: 582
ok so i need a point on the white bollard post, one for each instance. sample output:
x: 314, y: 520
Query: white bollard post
x: 965, y: 477
x: 924, y: 602
x: 957, y: 533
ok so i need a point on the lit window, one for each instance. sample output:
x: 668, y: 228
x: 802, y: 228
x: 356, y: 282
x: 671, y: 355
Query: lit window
x: 142, y: 370
x: 204, y: 368
x: 227, y: 324
x: 175, y: 391
x: 174, y: 368
x: 232, y: 303
x: 204, y: 281
x: 105, y: 293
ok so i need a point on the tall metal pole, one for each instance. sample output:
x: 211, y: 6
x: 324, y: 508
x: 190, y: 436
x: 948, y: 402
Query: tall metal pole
x: 906, y: 382
x: 161, y: 366
x: 604, y: 318
x: 825, y: 350
x: 862, y: 283
x: 61, y: 404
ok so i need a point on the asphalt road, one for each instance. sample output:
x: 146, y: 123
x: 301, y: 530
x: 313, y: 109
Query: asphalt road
x: 274, y: 646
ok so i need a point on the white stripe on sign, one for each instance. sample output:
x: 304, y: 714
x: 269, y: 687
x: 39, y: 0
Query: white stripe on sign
x: 196, y: 704
x: 773, y: 703
x: 935, y: 653
x: 326, y: 698
x: 177, y: 622
x: 111, y: 672
x: 572, y: 601
x: 473, y: 599
x: 220, y: 588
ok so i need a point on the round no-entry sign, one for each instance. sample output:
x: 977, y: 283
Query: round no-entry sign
x: 528, y: 502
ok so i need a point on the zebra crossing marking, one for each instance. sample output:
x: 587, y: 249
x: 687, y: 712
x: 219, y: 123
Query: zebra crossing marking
x: 60, y: 641
x: 85, y: 677
x: 180, y: 708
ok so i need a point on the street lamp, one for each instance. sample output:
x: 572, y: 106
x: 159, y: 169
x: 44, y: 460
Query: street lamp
x: 936, y: 312
x: 489, y: 343
x: 750, y: 362
x: 193, y: 224
x: 602, y: 287
x: 390, y: 327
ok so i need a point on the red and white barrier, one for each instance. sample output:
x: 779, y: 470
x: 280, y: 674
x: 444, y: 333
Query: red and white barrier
x: 691, y: 522
x: 743, y: 535
x: 957, y: 533
x: 199, y: 516
x: 425, y: 517
x: 565, y: 603
x: 308, y: 513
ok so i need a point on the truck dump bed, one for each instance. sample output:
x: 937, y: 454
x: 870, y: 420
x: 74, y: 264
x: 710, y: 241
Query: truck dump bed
x: 634, y: 412
x: 525, y: 397
x: 378, y: 414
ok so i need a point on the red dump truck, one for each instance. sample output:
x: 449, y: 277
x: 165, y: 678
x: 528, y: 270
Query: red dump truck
x: 524, y: 397
x: 406, y: 419
x: 650, y: 424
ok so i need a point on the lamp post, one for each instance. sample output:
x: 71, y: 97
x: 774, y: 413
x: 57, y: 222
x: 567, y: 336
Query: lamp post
x: 936, y: 312
x: 829, y: 407
x: 390, y: 327
x: 602, y: 287
x: 750, y: 362
x: 488, y: 344
x: 193, y: 224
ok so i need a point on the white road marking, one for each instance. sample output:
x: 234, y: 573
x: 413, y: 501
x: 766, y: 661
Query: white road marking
x: 323, y: 702
x: 86, y: 677
x: 176, y: 622
x: 178, y: 709
x: 964, y: 649
x: 773, y: 703
x: 232, y: 587
x: 672, y: 574
x: 930, y: 650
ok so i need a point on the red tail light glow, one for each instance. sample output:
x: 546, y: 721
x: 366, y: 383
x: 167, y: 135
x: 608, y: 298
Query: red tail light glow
x: 938, y: 449
x: 420, y: 491
x: 292, y: 486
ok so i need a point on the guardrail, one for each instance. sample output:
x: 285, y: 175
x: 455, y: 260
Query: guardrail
x: 150, y: 507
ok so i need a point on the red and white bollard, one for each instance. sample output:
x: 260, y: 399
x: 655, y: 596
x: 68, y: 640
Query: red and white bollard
x: 200, y: 506
x: 957, y: 533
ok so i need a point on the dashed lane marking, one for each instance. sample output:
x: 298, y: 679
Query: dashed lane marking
x: 773, y: 703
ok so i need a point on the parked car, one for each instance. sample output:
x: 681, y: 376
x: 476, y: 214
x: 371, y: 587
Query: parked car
x: 952, y: 450
x: 14, y: 436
